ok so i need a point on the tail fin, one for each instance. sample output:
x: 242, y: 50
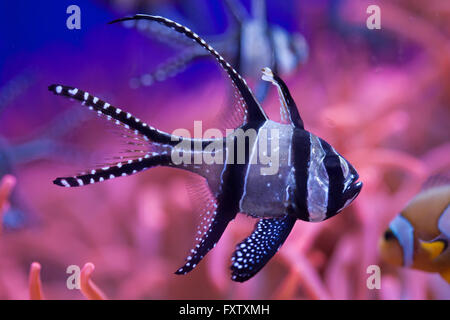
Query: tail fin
x: 161, y: 140
x: 160, y: 144
x: 122, y: 118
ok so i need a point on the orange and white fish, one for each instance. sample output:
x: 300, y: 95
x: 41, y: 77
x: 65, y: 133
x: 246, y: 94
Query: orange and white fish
x: 419, y: 236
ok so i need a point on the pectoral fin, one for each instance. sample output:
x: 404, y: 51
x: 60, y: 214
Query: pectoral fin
x: 434, y: 247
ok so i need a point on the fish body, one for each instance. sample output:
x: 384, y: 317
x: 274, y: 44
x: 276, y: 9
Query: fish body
x: 274, y: 186
x: 418, y: 237
x: 275, y: 172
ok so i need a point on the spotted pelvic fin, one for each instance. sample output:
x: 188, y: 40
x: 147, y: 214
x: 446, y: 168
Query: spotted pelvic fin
x: 252, y: 254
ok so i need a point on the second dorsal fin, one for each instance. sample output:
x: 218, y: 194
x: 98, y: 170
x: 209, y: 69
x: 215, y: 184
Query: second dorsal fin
x: 288, y: 105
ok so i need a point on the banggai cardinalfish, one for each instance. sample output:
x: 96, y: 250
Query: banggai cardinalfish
x: 313, y: 182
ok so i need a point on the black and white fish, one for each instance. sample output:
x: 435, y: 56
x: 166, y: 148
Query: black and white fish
x: 250, y: 44
x: 304, y: 178
x: 264, y: 44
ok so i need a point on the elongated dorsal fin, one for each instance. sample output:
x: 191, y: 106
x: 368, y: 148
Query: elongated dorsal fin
x: 253, y: 109
x: 288, y: 105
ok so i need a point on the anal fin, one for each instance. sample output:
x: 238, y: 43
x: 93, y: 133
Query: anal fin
x: 211, y: 229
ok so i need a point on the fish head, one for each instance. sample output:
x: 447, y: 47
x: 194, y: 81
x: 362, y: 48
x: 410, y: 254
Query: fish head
x: 346, y: 173
x: 390, y: 248
x: 339, y: 179
x: 325, y: 182
x: 396, y: 246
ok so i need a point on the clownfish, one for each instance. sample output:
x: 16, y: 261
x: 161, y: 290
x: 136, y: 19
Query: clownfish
x: 419, y: 236
x: 313, y: 182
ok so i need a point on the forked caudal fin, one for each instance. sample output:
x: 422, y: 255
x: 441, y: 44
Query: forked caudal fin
x: 160, y: 144
x: 126, y: 166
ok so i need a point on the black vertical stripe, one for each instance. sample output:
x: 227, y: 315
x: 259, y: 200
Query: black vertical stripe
x: 301, y: 145
x: 335, y: 177
x: 233, y: 176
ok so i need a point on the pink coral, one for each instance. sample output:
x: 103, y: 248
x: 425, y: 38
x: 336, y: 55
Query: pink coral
x: 389, y: 119
x: 87, y: 287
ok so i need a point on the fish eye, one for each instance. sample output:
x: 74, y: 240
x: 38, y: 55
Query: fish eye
x: 388, y: 235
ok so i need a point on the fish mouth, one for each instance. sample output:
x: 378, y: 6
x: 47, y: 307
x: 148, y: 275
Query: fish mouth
x: 354, y: 188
